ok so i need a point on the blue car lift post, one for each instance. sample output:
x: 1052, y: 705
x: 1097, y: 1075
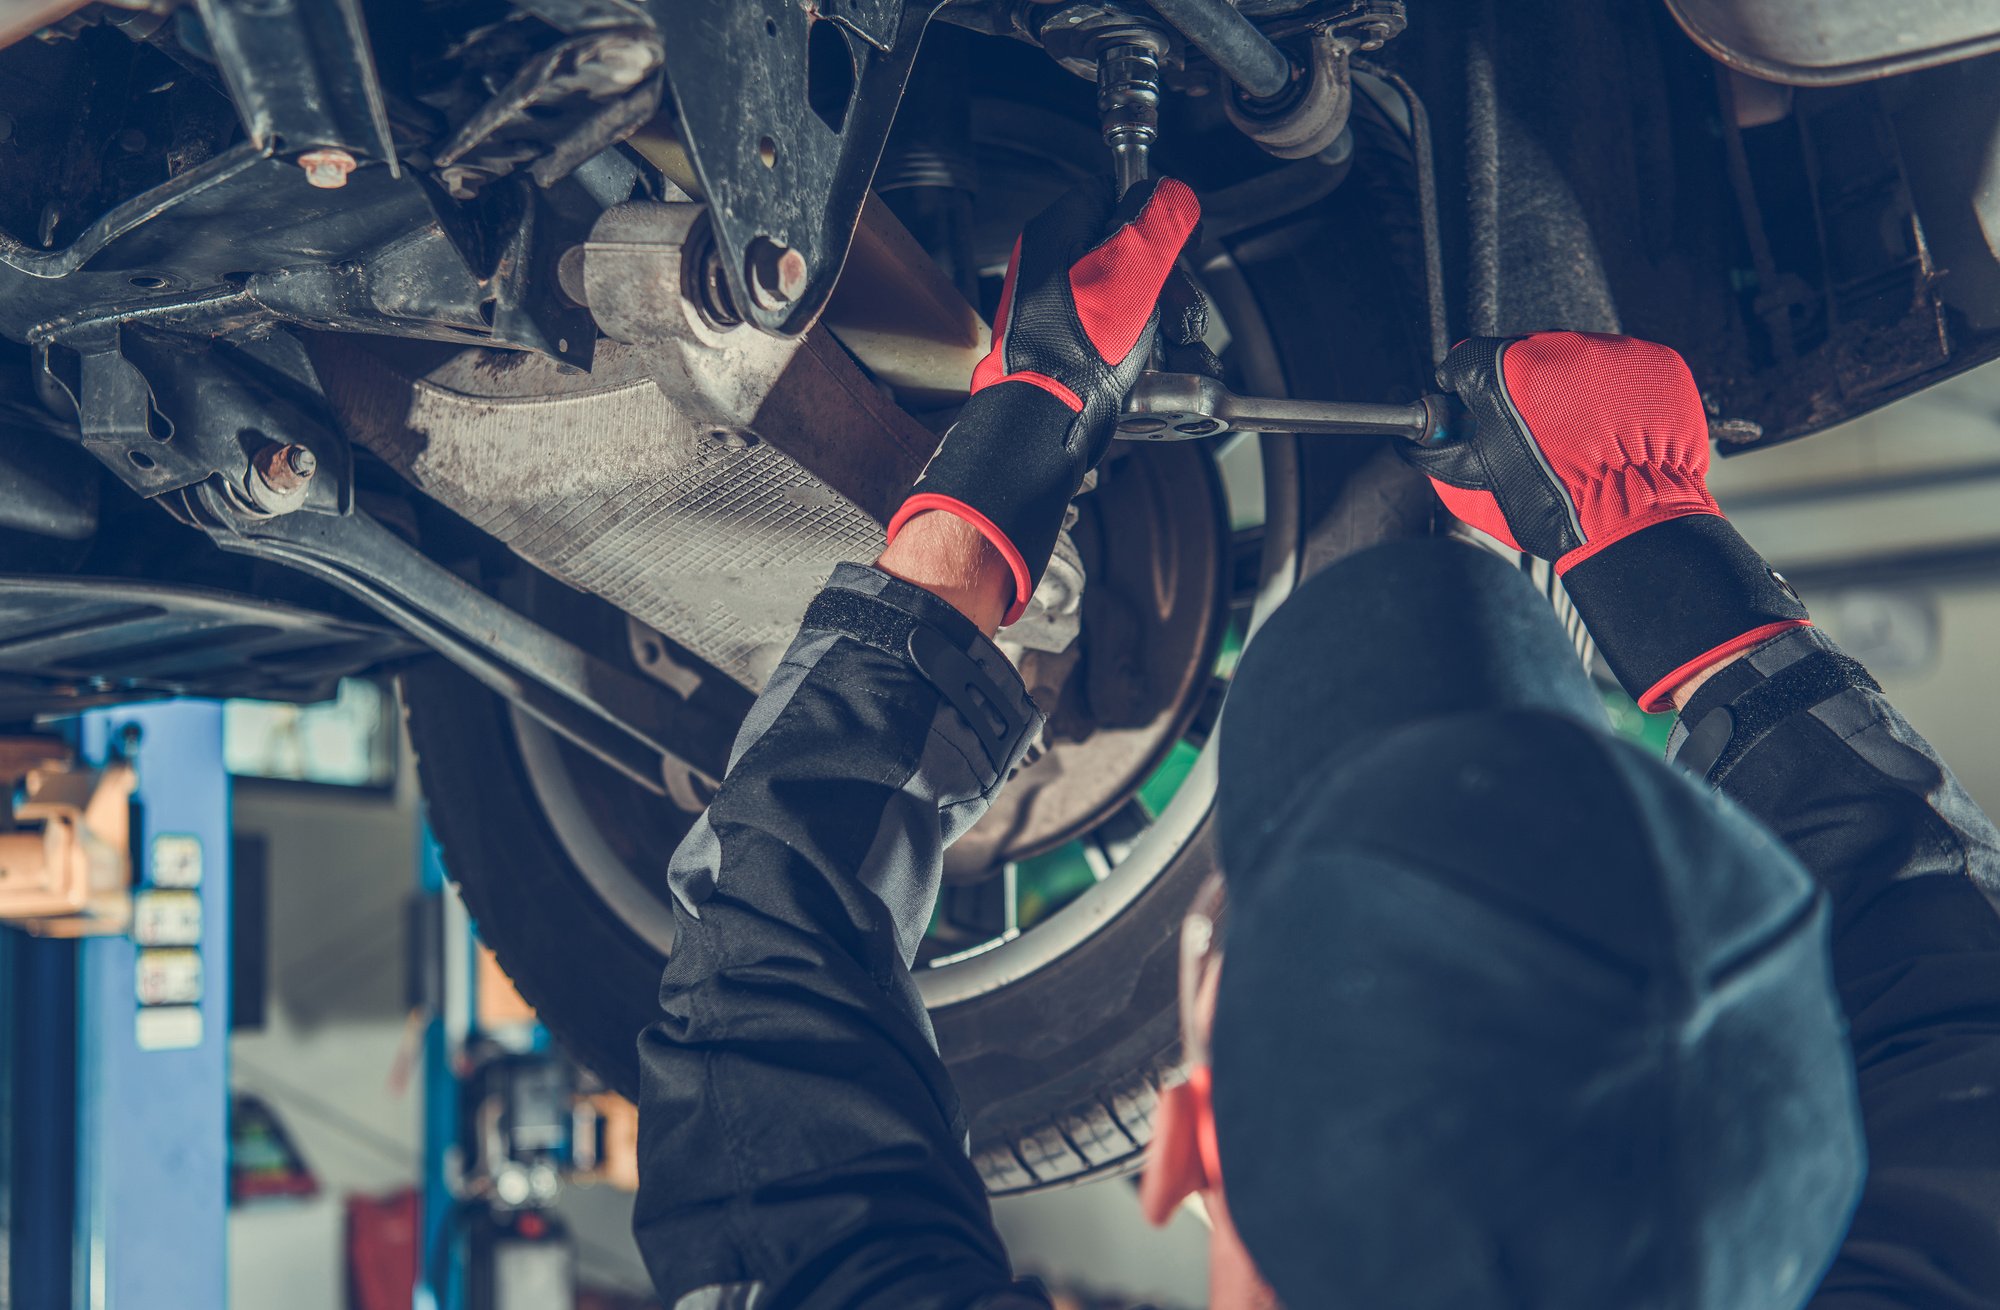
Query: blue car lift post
x: 114, y: 1133
x: 444, y: 952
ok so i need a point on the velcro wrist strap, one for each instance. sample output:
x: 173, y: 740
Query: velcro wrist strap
x: 910, y: 623
x: 1664, y: 601
x: 1752, y: 700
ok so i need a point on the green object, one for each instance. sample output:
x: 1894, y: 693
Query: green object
x: 1050, y: 881
x: 1167, y: 779
x: 1232, y: 648
x: 1628, y: 720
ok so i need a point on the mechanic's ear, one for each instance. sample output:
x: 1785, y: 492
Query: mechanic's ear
x: 1174, y: 1169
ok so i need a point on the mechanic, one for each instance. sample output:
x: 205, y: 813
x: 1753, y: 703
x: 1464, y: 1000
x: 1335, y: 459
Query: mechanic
x: 1514, y: 1015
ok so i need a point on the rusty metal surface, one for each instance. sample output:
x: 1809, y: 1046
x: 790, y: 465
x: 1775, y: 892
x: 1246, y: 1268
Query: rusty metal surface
x: 1866, y: 320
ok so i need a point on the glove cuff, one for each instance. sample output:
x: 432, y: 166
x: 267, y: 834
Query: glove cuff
x: 1669, y: 599
x: 1007, y: 468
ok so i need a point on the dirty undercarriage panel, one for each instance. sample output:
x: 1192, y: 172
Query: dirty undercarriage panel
x: 704, y: 526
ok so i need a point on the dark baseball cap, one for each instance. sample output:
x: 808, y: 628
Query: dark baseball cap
x: 1512, y: 1013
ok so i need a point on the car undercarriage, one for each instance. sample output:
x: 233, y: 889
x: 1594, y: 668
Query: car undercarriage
x: 548, y: 354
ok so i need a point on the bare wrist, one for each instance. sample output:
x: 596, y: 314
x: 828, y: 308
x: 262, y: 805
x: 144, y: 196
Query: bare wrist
x: 949, y: 558
x: 1684, y: 693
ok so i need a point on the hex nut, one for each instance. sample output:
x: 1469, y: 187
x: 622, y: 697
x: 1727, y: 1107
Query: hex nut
x: 285, y: 470
x: 777, y: 274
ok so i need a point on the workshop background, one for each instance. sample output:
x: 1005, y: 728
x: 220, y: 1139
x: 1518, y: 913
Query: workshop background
x: 1886, y: 525
x: 403, y: 1129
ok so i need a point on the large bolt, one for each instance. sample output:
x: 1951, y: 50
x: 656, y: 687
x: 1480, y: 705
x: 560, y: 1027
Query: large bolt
x: 285, y: 470
x: 777, y: 274
x: 327, y: 168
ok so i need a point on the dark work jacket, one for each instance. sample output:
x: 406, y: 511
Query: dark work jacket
x: 800, y: 1141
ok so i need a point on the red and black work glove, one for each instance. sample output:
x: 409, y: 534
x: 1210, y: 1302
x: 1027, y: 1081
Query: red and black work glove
x: 1591, y: 452
x: 1073, y: 333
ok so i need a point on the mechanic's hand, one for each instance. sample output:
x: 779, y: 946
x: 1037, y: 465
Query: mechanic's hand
x: 1592, y: 451
x: 1075, y: 327
x: 1579, y: 440
x: 1182, y: 328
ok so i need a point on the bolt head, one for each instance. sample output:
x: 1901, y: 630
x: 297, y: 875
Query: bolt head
x: 327, y: 168
x: 777, y: 273
x: 285, y: 470
x: 791, y: 275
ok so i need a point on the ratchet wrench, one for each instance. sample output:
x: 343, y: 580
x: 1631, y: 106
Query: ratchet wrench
x: 1186, y: 406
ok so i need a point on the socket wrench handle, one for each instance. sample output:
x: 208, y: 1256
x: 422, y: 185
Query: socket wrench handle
x: 1188, y: 406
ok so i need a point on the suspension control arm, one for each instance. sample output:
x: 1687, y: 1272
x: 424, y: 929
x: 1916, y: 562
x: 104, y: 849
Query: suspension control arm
x: 621, y: 719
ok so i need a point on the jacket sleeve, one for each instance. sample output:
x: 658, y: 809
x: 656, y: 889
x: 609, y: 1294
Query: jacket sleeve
x: 1802, y: 737
x: 800, y: 1143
